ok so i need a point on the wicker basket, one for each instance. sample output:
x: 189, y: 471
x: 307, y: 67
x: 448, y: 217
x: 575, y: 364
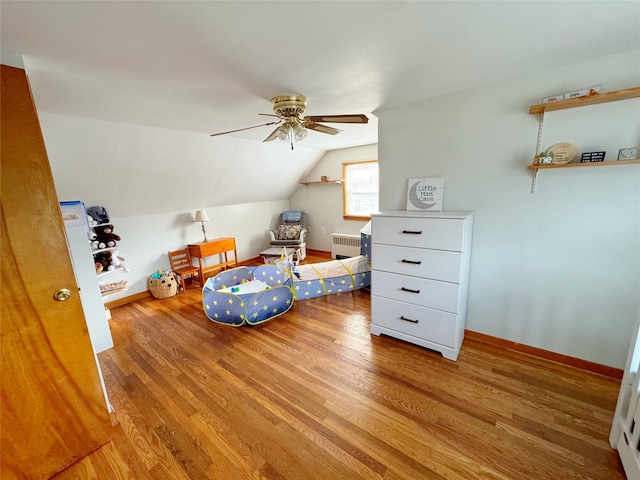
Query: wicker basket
x: 163, y: 287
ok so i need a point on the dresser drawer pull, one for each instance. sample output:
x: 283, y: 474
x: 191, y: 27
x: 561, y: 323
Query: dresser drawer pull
x: 412, y: 262
x: 412, y: 232
x: 402, y: 317
x: 409, y: 290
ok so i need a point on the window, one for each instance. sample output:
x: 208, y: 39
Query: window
x: 359, y: 189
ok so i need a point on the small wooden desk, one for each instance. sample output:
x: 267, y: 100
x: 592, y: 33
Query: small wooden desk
x: 217, y: 246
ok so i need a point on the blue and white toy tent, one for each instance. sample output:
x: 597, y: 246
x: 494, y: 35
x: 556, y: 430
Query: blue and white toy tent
x: 247, y: 295
x: 335, y: 276
x: 253, y: 295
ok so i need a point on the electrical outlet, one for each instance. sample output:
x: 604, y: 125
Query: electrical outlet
x: 324, y: 230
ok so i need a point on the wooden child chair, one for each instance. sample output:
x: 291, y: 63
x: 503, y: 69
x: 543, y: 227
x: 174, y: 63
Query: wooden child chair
x: 180, y: 261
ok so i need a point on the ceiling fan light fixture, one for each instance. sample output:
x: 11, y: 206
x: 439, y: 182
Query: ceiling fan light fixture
x: 289, y: 110
x: 282, y: 132
x: 299, y: 131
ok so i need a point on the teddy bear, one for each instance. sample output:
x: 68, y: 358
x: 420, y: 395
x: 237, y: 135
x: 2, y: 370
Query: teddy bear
x: 104, y: 260
x: 105, y: 236
x: 108, y: 261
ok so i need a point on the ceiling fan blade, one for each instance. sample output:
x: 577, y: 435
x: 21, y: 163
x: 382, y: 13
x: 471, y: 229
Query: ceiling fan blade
x: 321, y: 128
x: 241, y: 129
x: 273, y: 135
x: 355, y: 118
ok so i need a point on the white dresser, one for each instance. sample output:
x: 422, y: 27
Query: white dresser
x: 420, y: 274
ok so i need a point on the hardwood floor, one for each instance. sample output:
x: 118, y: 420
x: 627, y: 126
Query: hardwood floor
x: 312, y: 395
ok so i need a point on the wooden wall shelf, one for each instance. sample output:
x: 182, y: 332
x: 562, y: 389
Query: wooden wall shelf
x: 338, y: 182
x: 541, y: 108
x: 584, y: 101
x: 590, y: 164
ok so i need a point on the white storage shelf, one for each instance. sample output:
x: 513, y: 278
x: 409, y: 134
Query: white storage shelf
x: 107, y: 272
x: 110, y: 293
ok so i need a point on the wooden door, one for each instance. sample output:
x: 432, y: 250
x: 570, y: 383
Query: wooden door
x: 53, y: 410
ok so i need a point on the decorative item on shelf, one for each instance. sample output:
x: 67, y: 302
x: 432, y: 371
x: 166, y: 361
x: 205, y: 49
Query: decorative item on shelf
x: 117, y: 261
x: 104, y: 260
x: 163, y: 284
x: 73, y: 214
x: 98, y: 213
x: 592, y: 157
x: 112, y: 287
x: 627, y: 153
x: 323, y: 178
x: 583, y: 92
x: 201, y: 216
x: 553, y: 98
x: 558, y: 154
x: 425, y: 194
x: 543, y: 159
x: 105, y: 236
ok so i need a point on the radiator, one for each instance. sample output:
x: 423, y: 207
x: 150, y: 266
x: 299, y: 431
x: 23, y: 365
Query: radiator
x: 345, y: 244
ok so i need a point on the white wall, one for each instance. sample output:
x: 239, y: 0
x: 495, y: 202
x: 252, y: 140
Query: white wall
x: 324, y: 202
x: 146, y: 239
x: 560, y: 269
x: 152, y: 180
x: 138, y: 170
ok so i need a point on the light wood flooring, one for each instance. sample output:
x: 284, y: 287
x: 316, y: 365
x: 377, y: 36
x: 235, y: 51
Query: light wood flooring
x: 312, y: 395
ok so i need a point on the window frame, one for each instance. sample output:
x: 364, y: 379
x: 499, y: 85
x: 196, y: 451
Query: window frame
x: 345, y: 191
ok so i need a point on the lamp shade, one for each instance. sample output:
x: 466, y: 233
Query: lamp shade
x: 201, y: 216
x: 282, y: 132
x: 299, y: 131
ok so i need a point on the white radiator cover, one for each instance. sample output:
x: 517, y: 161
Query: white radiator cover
x: 345, y: 244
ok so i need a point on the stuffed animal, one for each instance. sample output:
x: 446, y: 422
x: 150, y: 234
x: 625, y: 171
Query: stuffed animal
x: 105, y: 236
x: 117, y: 261
x: 93, y: 239
x: 99, y: 214
x: 104, y: 259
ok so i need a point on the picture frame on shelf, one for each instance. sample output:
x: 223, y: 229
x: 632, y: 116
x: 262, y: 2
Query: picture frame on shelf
x: 74, y: 214
x: 425, y: 194
x: 629, y: 153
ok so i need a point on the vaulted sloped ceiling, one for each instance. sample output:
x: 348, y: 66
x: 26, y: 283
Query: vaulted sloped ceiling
x: 153, y: 79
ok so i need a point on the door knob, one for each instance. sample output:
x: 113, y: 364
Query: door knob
x: 62, y: 294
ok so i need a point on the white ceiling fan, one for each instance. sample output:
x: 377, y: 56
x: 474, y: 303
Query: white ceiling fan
x: 288, y: 109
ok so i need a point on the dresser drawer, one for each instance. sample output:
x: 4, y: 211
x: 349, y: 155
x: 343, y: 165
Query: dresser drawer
x: 416, y: 290
x: 438, y: 233
x: 433, y: 325
x: 418, y: 262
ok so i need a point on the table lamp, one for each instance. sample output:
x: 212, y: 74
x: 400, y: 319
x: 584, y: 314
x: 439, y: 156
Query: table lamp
x: 201, y: 216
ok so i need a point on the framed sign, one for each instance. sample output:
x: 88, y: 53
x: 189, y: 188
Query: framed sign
x: 425, y: 194
x: 74, y: 214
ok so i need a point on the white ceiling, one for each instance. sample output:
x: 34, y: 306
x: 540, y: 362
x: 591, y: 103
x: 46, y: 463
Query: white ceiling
x: 156, y: 77
x: 213, y: 66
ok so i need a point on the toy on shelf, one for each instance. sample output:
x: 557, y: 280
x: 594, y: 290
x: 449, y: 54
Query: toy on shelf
x: 105, y: 236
